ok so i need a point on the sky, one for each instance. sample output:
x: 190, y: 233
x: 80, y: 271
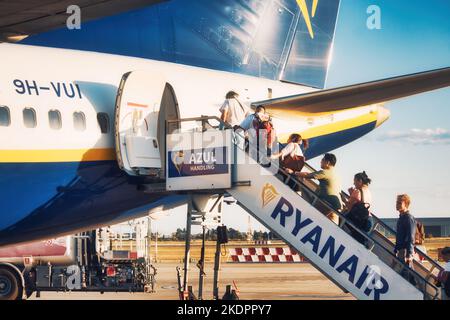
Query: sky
x: 411, y: 151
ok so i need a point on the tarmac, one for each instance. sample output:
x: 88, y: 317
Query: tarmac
x: 276, y: 281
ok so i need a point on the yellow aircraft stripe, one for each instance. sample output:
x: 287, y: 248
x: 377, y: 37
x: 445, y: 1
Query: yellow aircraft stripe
x: 56, y: 155
x: 315, y: 3
x: 290, y: 113
x: 333, y: 127
x: 80, y: 155
x: 305, y: 12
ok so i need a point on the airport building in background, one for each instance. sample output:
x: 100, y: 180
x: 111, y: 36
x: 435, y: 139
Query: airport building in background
x: 434, y: 227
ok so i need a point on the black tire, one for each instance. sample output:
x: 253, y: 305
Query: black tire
x: 10, y: 287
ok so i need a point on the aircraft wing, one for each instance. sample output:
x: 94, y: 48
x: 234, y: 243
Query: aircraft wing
x: 361, y: 94
x: 19, y: 19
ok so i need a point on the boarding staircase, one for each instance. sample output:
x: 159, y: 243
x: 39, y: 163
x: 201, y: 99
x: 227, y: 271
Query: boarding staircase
x: 368, y: 271
x: 380, y: 239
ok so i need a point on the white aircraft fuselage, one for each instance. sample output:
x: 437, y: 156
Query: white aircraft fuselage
x: 58, y: 169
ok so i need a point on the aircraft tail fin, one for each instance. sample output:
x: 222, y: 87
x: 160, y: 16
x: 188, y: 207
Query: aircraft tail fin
x: 289, y: 40
x: 312, y: 45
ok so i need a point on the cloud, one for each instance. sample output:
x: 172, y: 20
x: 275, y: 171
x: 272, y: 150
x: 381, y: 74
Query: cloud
x: 436, y: 136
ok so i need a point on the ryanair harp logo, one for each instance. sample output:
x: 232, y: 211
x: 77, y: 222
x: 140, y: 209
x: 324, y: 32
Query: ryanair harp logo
x: 268, y: 194
x: 305, y: 12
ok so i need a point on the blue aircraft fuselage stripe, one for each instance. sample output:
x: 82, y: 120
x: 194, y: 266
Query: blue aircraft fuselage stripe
x: 45, y: 199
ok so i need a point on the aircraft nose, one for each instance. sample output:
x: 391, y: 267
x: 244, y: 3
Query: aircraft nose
x: 382, y: 115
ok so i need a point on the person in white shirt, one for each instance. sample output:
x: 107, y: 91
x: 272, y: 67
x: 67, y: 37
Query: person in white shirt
x: 233, y: 112
x: 292, y: 158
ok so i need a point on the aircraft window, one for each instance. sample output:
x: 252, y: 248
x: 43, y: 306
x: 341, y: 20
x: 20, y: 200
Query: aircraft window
x: 54, y: 119
x: 29, y: 118
x: 103, y: 122
x: 79, y: 121
x: 5, y: 118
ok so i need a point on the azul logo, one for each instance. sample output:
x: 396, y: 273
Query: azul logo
x: 268, y: 194
x: 198, y: 162
x: 342, y: 257
x: 306, y: 15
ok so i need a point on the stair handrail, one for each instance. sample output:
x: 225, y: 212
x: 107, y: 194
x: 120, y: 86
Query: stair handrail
x: 378, y: 221
x: 344, y: 220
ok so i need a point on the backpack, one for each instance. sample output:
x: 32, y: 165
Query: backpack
x: 259, y: 124
x: 419, y: 238
x: 295, y: 163
x: 359, y: 216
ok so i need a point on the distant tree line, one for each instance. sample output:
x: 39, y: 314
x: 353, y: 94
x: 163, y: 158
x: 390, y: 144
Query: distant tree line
x: 211, y: 235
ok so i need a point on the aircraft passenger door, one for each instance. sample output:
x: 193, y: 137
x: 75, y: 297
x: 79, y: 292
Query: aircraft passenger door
x: 137, y: 108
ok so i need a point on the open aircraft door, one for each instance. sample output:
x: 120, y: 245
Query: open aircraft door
x: 138, y: 103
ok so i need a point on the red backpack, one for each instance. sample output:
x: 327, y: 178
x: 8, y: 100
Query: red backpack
x: 259, y: 124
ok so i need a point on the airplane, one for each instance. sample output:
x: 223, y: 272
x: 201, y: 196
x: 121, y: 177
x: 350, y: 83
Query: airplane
x: 59, y: 170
